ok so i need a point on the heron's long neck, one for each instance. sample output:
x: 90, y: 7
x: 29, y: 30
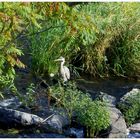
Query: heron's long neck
x: 62, y: 64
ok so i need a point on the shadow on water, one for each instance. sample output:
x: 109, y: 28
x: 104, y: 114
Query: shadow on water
x: 116, y: 87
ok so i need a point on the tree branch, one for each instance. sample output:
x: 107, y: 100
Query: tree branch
x: 25, y: 35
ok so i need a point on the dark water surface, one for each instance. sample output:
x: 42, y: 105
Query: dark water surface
x: 116, y: 87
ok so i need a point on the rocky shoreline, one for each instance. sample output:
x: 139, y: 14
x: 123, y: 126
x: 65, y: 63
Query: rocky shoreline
x: 54, y: 124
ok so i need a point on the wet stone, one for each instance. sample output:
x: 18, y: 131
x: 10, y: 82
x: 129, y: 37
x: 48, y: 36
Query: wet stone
x: 135, y: 128
x: 118, y: 126
x: 133, y: 135
x: 110, y: 100
x: 75, y: 132
x: 12, y: 103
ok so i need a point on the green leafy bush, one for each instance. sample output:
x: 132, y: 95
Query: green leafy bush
x: 69, y: 98
x: 131, y: 108
x: 91, y: 114
x: 94, y: 115
x: 13, y: 23
x: 61, y: 36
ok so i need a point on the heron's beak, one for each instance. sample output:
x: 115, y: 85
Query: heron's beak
x: 57, y: 60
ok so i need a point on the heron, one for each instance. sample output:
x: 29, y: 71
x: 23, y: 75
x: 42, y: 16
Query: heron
x: 64, y: 71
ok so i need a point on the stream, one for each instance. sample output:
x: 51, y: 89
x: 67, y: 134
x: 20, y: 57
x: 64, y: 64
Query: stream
x: 116, y: 87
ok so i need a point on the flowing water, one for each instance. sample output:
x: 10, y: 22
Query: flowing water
x: 113, y: 86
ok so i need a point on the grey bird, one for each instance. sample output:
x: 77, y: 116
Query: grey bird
x: 64, y: 71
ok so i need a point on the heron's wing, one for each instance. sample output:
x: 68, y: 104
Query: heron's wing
x: 67, y: 72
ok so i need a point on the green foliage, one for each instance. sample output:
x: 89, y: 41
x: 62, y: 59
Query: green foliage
x: 30, y: 95
x: 69, y: 98
x: 102, y: 38
x: 131, y: 108
x: 92, y: 114
x: 61, y: 37
x: 12, y: 23
x: 29, y: 99
x: 15, y: 21
x: 87, y: 34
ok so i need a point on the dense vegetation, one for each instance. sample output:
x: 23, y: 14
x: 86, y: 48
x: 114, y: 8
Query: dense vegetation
x: 15, y: 19
x: 99, y: 38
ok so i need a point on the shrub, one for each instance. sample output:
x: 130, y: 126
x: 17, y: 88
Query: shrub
x: 61, y: 35
x: 13, y: 23
x: 69, y: 98
x: 131, y: 108
x: 91, y: 114
x: 94, y: 116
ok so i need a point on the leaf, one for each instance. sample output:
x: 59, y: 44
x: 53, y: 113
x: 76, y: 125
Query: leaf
x: 20, y: 64
x: 1, y: 95
x: 14, y: 50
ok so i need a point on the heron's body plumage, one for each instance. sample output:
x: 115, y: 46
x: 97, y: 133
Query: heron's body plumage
x: 64, y: 71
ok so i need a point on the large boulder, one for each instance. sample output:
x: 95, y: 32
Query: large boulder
x: 56, y: 123
x: 118, y: 127
x: 10, y: 118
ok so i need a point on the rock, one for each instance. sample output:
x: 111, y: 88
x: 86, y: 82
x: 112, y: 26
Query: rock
x: 118, y: 127
x: 10, y: 118
x: 56, y: 123
x: 12, y: 103
x: 135, y: 127
x: 134, y: 135
x: 131, y: 94
x: 75, y: 133
x: 110, y: 100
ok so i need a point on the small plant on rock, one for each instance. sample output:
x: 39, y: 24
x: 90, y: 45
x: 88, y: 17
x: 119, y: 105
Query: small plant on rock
x: 91, y: 114
x: 69, y: 98
x: 131, y: 108
x: 29, y: 99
